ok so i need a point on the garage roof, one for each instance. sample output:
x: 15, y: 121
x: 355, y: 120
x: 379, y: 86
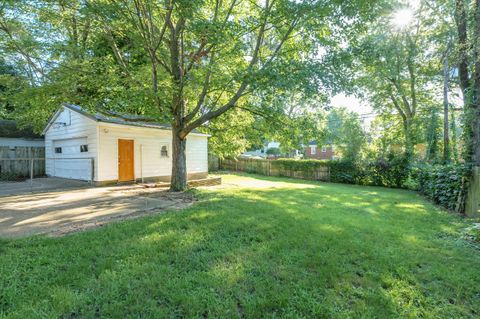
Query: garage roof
x: 116, y: 118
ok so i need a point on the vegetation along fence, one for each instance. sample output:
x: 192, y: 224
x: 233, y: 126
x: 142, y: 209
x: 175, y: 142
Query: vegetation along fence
x: 276, y: 168
x: 19, y: 163
x: 213, y: 163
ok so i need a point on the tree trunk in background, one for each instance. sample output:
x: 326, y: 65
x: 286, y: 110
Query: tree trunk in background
x: 453, y: 130
x: 446, y: 141
x: 179, y: 161
x: 409, y: 148
x: 476, y: 89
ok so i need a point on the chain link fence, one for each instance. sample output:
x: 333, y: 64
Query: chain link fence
x: 20, y: 163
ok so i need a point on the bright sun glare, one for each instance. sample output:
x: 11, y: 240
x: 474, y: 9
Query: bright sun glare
x: 402, y: 18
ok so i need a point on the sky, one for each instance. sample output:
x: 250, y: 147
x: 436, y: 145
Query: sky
x: 351, y: 103
x: 356, y: 105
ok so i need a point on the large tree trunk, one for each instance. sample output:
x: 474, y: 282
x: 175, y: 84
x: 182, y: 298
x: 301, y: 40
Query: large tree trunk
x: 179, y: 162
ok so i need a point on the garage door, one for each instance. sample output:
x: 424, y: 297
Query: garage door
x: 69, y: 161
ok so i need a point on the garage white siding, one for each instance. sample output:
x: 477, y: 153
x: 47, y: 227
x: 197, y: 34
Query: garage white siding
x: 148, y: 161
x: 197, y: 154
x: 147, y: 144
x: 69, y: 131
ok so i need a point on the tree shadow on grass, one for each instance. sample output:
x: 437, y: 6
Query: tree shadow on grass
x: 312, y: 252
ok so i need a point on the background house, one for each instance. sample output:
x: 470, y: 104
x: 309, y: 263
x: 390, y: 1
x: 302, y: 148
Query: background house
x: 271, y: 150
x: 261, y: 152
x: 322, y: 152
x: 107, y: 148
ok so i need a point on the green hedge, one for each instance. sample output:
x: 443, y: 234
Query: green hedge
x: 445, y: 185
x: 389, y: 173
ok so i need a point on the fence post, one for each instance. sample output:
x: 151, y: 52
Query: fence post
x: 473, y: 194
x: 92, y: 172
x: 31, y: 171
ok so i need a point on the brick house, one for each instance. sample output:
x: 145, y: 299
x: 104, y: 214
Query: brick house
x: 323, y: 152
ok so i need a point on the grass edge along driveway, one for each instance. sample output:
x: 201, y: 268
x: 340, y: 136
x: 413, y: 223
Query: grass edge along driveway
x: 256, y: 247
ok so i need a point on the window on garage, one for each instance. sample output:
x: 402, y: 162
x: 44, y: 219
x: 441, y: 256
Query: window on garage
x: 58, y: 150
x: 164, y: 151
x: 83, y: 148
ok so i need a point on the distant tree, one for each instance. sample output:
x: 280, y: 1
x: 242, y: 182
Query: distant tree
x: 11, y: 83
x: 391, y: 64
x: 231, y: 134
x: 432, y: 137
x: 468, y: 50
x: 345, y: 131
x: 454, y: 139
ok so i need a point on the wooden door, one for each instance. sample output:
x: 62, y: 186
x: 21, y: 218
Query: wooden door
x: 125, y: 161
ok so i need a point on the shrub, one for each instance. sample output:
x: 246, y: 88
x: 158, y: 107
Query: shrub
x: 391, y: 172
x: 346, y: 172
x: 445, y: 185
x: 299, y: 165
x: 273, y: 151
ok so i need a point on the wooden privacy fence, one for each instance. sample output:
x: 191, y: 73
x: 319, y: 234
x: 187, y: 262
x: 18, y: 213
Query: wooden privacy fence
x: 213, y: 163
x: 268, y: 168
x: 21, y: 162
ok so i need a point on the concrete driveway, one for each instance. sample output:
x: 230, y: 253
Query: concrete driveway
x: 65, y: 211
x: 42, y: 184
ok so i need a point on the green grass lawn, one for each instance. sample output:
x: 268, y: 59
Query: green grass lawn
x: 299, y: 249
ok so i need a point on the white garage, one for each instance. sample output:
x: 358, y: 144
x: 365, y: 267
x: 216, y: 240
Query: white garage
x: 108, y: 149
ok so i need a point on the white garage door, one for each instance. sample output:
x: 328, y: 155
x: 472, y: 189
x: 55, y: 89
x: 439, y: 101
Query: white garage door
x: 69, y: 161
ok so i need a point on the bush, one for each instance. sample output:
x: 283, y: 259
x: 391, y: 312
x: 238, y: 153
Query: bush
x: 346, y: 172
x: 273, y: 151
x: 445, y: 185
x: 391, y: 172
